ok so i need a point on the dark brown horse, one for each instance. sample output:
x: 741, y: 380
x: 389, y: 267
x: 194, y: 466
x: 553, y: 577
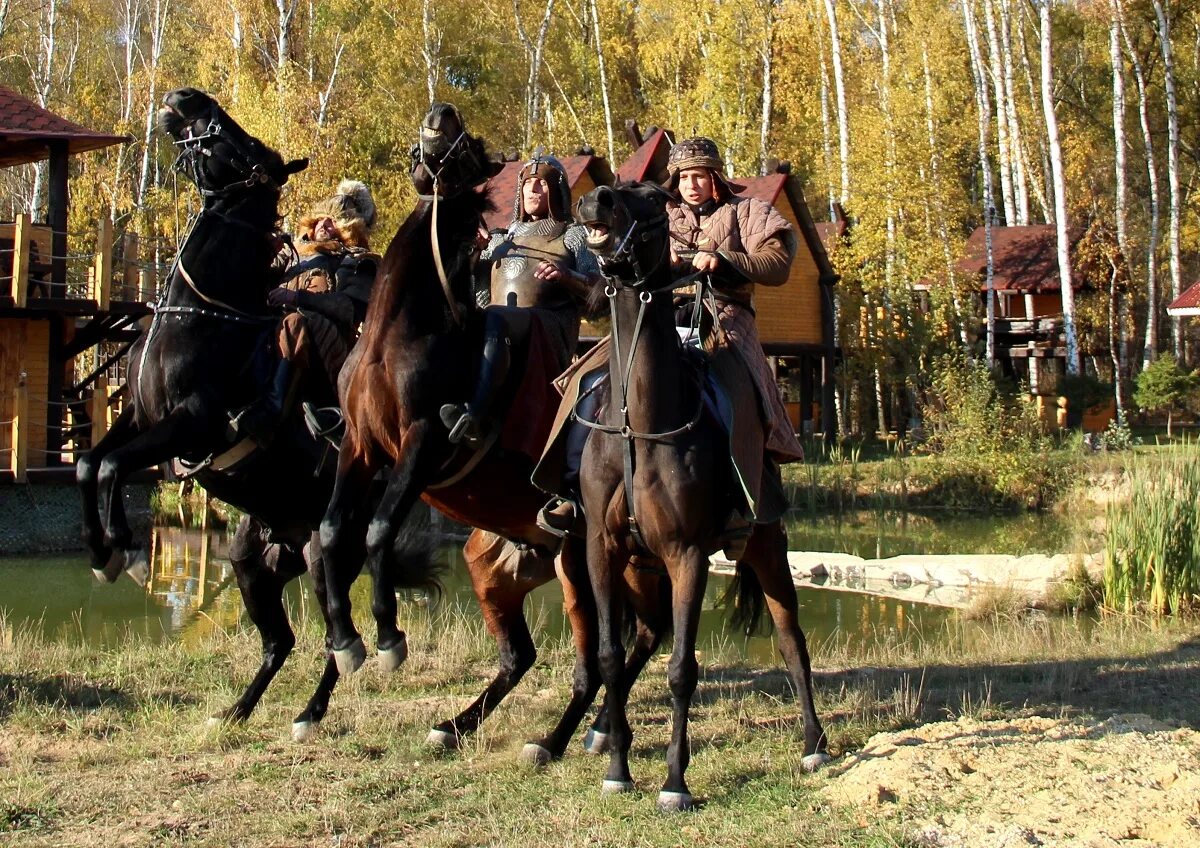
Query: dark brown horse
x: 420, y: 349
x: 652, y: 480
x: 193, y: 367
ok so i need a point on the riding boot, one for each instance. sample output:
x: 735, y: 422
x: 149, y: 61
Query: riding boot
x: 559, y: 516
x: 472, y: 422
x: 261, y: 420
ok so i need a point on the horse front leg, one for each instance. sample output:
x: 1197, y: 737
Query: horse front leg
x: 166, y: 440
x: 501, y: 593
x: 262, y: 592
x: 404, y: 486
x: 105, y: 566
x: 689, y: 574
x: 306, y: 725
x: 605, y: 567
x: 341, y: 540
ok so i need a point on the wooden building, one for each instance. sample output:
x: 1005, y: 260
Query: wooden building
x: 795, y: 320
x: 55, y: 304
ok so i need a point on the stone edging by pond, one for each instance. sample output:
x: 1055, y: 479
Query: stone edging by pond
x: 947, y: 580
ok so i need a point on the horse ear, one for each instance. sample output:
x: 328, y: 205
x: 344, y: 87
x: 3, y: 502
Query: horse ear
x: 295, y: 166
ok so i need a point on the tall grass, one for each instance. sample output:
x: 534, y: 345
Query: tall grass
x: 1152, y: 561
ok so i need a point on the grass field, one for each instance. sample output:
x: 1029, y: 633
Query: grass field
x: 109, y: 747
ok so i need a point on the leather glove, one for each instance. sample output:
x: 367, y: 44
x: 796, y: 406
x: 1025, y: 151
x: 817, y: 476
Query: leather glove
x: 283, y: 297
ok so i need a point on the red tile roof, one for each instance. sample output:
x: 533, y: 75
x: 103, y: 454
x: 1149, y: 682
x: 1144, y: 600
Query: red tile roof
x: 1189, y: 300
x: 1024, y: 259
x: 648, y: 162
x: 832, y: 233
x: 504, y: 185
x: 26, y: 129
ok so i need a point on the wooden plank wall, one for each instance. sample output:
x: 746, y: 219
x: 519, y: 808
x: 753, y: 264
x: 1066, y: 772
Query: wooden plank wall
x: 791, y: 313
x: 25, y: 346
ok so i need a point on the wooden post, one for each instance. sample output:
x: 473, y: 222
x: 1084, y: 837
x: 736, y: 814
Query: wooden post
x: 129, y: 259
x: 22, y: 232
x: 104, y: 264
x: 99, y: 410
x: 146, y: 286
x: 19, y: 461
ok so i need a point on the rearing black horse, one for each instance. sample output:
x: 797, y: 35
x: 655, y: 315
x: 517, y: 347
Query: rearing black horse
x: 193, y: 366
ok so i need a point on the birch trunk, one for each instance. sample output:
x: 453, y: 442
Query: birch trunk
x: 983, y: 110
x: 608, y: 121
x: 1164, y: 40
x: 1041, y: 185
x: 840, y: 92
x: 431, y: 49
x: 826, y: 133
x: 1117, y: 305
x: 533, y: 51
x: 1020, y: 188
x: 158, y: 32
x: 285, y: 14
x: 1150, y: 346
x: 1000, y: 100
x: 1060, y: 191
x: 764, y: 129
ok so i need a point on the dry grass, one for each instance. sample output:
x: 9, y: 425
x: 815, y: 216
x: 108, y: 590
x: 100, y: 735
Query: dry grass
x: 107, y: 747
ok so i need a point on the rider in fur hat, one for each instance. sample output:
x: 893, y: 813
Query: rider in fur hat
x: 324, y: 292
x: 740, y: 243
x: 540, y: 271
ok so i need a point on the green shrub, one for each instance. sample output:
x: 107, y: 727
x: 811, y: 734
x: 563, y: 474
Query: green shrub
x: 1164, y: 385
x: 1152, y: 556
x: 988, y: 439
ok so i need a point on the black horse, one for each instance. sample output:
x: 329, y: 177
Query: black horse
x: 193, y: 367
x: 652, y: 479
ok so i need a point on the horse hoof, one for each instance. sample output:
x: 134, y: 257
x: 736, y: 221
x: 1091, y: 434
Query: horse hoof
x: 137, y: 566
x: 595, y: 741
x: 675, y: 802
x: 390, y: 659
x: 112, y: 569
x: 814, y: 761
x: 305, y: 731
x: 536, y: 755
x: 616, y: 787
x: 350, y: 660
x: 442, y: 739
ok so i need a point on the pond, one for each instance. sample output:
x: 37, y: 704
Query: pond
x: 192, y: 592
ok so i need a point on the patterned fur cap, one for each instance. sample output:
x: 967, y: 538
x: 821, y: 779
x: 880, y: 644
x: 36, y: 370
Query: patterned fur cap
x: 699, y: 152
x: 353, y: 212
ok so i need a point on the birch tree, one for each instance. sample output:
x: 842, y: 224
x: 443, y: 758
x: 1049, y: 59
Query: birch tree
x: 158, y: 32
x: 1117, y: 325
x: 534, y: 49
x: 1164, y: 40
x: 1000, y: 99
x: 839, y: 87
x: 608, y: 121
x: 1060, y: 190
x: 983, y: 111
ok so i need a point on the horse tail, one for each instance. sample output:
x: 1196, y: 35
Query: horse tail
x: 414, y: 561
x: 746, y: 602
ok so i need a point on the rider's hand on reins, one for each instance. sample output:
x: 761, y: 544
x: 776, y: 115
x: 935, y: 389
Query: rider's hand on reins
x: 547, y: 271
x: 706, y: 262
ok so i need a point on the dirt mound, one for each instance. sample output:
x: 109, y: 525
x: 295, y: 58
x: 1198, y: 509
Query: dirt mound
x: 1128, y: 781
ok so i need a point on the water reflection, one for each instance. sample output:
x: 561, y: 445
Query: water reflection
x: 192, y: 594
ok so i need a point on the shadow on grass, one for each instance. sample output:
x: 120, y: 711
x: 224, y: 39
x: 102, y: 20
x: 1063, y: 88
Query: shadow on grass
x: 1164, y: 686
x: 74, y: 694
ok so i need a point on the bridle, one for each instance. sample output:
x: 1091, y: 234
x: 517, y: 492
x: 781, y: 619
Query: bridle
x: 625, y: 254
x: 192, y: 151
x: 468, y: 161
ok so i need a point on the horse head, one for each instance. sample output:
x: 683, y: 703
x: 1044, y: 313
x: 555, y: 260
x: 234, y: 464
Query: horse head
x: 626, y: 230
x: 448, y: 160
x: 215, y: 152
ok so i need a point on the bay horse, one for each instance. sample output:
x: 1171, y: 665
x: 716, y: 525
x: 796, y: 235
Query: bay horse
x: 192, y: 367
x: 652, y: 478
x: 420, y: 349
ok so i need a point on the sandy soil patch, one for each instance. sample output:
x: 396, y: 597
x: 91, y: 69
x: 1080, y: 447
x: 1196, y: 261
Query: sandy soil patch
x: 1127, y: 781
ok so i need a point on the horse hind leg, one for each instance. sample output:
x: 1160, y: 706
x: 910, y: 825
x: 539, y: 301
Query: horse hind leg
x: 262, y: 593
x: 501, y: 593
x: 766, y: 554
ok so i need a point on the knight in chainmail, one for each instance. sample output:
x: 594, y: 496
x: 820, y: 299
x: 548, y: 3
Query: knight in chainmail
x: 538, y: 270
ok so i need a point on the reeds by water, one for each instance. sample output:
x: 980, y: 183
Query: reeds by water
x: 1152, y: 559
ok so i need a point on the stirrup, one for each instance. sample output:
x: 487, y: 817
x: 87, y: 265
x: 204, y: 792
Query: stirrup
x: 550, y: 520
x: 462, y: 424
